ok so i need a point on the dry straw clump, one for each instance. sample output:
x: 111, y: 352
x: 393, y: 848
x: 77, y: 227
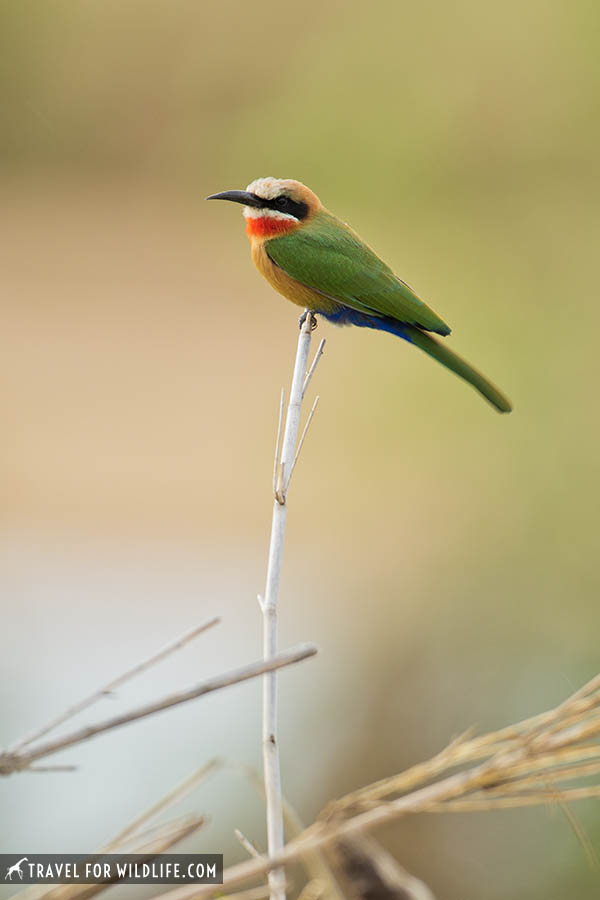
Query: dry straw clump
x: 549, y: 758
x: 543, y: 759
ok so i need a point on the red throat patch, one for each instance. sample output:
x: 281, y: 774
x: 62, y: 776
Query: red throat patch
x: 269, y: 226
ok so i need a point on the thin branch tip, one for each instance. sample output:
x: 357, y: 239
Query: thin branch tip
x: 250, y: 848
x: 313, y: 366
x: 108, y: 690
x: 278, y: 441
x: 301, y: 442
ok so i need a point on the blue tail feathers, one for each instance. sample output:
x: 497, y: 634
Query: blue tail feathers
x: 346, y: 316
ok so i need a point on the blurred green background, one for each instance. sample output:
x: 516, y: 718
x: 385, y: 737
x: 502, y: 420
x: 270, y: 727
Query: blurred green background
x: 443, y: 557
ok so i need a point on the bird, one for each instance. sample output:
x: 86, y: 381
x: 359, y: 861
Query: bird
x: 318, y: 262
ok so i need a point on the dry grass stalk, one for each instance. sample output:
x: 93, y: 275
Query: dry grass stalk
x: 257, y: 893
x: 133, y: 829
x: 108, y: 689
x: 138, y: 837
x: 530, y: 763
x: 147, y: 848
x: 20, y: 761
x: 314, y: 890
x: 523, y: 765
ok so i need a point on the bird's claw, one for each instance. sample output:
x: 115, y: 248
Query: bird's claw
x: 303, y: 318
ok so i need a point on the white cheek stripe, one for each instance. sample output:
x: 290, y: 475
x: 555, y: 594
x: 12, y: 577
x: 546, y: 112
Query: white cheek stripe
x: 251, y: 212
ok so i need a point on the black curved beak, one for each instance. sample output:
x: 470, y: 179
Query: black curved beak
x: 244, y: 197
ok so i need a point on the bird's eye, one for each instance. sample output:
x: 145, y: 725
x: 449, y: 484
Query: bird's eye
x: 282, y: 201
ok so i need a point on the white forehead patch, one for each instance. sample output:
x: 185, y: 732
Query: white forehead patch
x: 267, y: 188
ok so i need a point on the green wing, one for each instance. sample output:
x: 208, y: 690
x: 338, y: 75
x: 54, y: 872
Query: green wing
x: 326, y: 255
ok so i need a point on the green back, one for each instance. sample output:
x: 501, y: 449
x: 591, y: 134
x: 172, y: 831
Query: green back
x: 326, y: 255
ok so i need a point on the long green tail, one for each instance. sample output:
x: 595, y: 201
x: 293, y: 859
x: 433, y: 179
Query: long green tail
x: 452, y: 361
x: 344, y: 315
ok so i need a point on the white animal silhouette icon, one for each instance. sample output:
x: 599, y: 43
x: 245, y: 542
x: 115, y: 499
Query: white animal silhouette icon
x: 15, y: 869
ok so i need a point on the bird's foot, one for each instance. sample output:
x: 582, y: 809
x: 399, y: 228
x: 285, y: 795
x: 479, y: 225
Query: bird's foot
x: 303, y: 318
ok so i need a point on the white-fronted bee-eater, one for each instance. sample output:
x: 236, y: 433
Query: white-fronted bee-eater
x: 316, y: 261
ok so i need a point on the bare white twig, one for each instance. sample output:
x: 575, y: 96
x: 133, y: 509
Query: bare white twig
x: 301, y: 441
x: 278, y: 441
x: 248, y: 846
x: 16, y: 762
x: 316, y: 864
x: 272, y: 775
x: 311, y: 371
x: 114, y: 684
